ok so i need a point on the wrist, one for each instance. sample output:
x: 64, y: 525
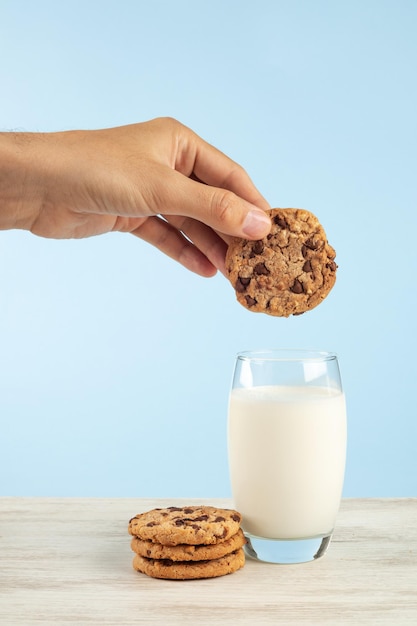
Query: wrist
x: 20, y: 179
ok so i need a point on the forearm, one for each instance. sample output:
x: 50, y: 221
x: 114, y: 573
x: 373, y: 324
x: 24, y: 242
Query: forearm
x: 20, y: 174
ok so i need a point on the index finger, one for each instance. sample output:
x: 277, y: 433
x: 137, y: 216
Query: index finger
x: 213, y: 167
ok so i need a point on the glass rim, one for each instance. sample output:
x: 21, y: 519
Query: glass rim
x: 287, y: 354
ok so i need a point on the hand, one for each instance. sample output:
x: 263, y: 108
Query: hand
x: 157, y: 180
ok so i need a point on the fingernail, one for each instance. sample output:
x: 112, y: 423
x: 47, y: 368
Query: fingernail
x: 256, y: 224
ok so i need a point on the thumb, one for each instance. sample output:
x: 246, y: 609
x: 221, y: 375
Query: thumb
x: 221, y: 209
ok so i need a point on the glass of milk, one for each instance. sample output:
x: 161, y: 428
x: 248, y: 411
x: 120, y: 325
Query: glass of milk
x: 287, y: 451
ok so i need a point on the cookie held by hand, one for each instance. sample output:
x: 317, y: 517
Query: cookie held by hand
x: 288, y: 272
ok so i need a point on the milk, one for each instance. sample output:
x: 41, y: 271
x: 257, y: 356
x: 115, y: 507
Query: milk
x: 287, y: 448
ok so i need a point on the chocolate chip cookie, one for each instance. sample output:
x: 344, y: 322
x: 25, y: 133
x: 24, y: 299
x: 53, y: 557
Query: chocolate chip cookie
x: 188, y: 570
x: 192, y: 525
x: 184, y: 552
x: 288, y: 272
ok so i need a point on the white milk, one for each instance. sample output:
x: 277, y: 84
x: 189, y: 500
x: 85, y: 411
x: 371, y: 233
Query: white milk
x: 287, y: 448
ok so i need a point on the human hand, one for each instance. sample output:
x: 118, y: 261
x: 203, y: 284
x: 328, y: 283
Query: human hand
x: 157, y: 180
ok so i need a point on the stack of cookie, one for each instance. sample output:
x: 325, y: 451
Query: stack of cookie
x: 182, y: 543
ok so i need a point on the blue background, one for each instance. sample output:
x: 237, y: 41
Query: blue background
x: 115, y: 363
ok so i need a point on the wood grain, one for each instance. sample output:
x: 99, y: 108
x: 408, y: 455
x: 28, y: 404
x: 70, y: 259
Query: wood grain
x: 68, y: 561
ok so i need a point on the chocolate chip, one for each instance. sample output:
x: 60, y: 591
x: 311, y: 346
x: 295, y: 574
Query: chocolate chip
x: 332, y: 266
x: 304, y: 251
x: 150, y: 524
x: 236, y: 517
x: 179, y: 522
x: 148, y: 552
x: 313, y: 244
x: 196, y: 527
x: 297, y: 286
x: 310, y: 244
x: 307, y: 267
x: 223, y: 535
x: 279, y: 221
x: 261, y: 268
x: 258, y: 247
x: 201, y: 518
x: 174, y: 508
x: 220, y: 519
x: 241, y: 284
x: 188, y: 511
x: 250, y: 301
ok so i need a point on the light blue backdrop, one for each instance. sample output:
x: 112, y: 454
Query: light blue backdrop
x: 115, y: 363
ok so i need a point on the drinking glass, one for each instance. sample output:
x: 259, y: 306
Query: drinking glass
x: 287, y: 451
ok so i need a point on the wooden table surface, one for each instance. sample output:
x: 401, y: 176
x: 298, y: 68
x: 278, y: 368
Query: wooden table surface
x: 68, y: 561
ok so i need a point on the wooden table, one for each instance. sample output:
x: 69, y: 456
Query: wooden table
x: 68, y: 561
